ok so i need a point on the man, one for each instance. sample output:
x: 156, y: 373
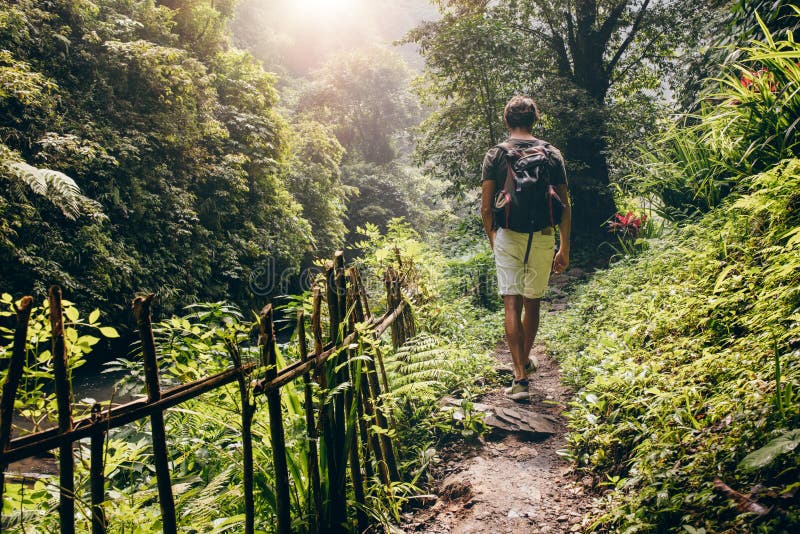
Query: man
x: 522, y: 286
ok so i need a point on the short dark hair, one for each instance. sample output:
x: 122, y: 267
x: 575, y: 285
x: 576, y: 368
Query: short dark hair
x: 521, y: 112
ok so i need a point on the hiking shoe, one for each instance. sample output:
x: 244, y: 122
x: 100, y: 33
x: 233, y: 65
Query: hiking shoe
x: 531, y: 366
x: 518, y: 390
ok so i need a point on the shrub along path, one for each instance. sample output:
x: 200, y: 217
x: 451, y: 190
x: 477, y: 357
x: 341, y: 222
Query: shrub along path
x: 507, y: 483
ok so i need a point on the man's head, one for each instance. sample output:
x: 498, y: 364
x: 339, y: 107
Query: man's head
x: 521, y: 112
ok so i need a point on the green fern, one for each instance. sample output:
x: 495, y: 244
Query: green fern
x: 201, y: 503
x: 55, y: 186
x: 425, y: 365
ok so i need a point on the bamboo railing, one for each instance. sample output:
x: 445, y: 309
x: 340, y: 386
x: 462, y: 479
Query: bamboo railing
x: 348, y: 306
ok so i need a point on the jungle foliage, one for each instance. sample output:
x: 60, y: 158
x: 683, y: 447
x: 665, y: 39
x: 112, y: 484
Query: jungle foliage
x: 366, y: 98
x: 685, y: 357
x: 452, y: 353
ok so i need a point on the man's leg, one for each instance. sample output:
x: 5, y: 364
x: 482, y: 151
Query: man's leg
x: 515, y: 333
x: 530, y: 325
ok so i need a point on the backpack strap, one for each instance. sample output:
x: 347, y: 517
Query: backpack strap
x: 527, y: 253
x: 508, y: 184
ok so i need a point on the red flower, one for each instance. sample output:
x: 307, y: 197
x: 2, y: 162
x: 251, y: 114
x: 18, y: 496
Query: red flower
x: 628, y: 225
x: 747, y: 80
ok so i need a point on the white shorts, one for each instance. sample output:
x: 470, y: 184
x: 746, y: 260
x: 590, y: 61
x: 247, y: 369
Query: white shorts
x: 509, y: 253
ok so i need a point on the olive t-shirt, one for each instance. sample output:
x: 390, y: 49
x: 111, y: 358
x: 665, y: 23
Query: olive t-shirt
x: 494, y: 164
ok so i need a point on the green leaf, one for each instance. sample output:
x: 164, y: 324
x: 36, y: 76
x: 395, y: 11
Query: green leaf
x: 6, y: 298
x: 723, y: 276
x: 94, y: 316
x: 109, y: 331
x: 87, y: 340
x: 72, y: 314
x: 785, y: 443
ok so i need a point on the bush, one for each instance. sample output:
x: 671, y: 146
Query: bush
x: 746, y: 124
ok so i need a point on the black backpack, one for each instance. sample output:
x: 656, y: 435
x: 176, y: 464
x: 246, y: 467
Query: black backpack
x: 528, y: 202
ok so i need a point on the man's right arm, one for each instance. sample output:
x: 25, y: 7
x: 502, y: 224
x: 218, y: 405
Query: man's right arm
x: 487, y: 196
x: 488, y: 189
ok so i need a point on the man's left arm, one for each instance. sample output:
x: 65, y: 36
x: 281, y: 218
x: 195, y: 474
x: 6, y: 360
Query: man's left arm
x: 561, y: 260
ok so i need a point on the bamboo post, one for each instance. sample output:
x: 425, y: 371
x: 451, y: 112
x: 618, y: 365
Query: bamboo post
x: 367, y: 412
x: 13, y: 376
x: 384, y: 378
x: 357, y: 316
x: 374, y: 439
x: 313, y: 465
x: 141, y: 311
x: 97, y: 476
x: 355, y: 462
x: 387, y: 447
x: 397, y: 298
x: 363, y: 431
x: 66, y: 462
x: 316, y: 322
x: 340, y: 288
x: 333, y: 302
x: 337, y: 469
x: 389, y: 465
x: 362, y: 293
x: 248, y: 411
x: 358, y: 431
x: 269, y: 360
x: 326, y: 418
x: 393, y: 300
x: 408, y: 323
x: 390, y: 281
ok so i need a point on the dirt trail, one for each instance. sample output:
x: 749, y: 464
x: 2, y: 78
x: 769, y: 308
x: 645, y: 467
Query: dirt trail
x: 507, y: 484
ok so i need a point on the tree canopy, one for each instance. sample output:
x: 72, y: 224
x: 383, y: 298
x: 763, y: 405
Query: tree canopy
x: 173, y: 133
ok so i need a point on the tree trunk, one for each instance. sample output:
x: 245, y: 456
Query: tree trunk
x: 586, y: 146
x: 585, y: 151
x: 592, y: 198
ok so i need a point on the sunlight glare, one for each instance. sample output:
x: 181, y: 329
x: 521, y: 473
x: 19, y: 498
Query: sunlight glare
x: 325, y: 8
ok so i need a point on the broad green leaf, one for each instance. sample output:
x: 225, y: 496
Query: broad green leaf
x: 87, y: 340
x: 71, y: 335
x: 109, y: 331
x: 72, y: 314
x: 94, y: 316
x: 785, y: 443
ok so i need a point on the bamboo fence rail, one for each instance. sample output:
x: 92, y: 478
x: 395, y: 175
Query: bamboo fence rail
x: 347, y: 307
